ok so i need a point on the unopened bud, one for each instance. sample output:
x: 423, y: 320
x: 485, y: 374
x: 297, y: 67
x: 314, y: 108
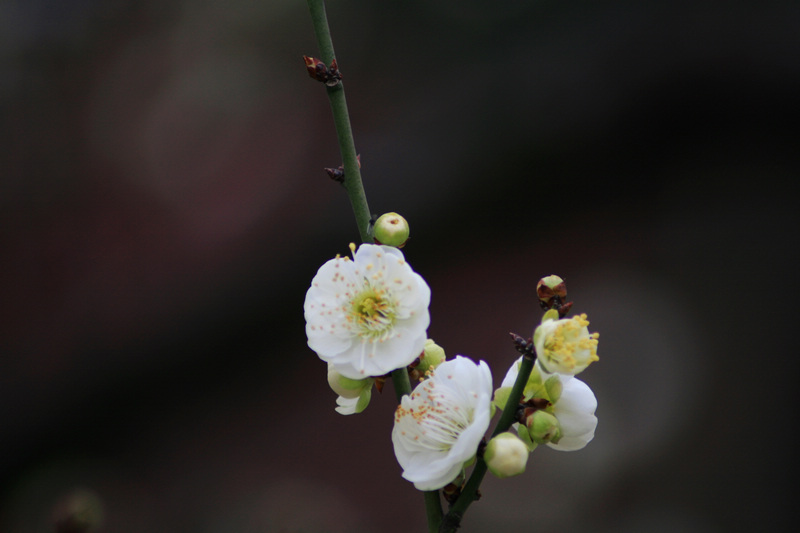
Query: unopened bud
x: 506, y: 455
x: 432, y: 356
x: 550, y: 286
x: 391, y: 229
x: 346, y: 387
x: 543, y: 427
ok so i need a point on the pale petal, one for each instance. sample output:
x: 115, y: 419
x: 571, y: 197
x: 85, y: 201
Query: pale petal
x: 463, y: 392
x: 338, y: 335
x: 511, y: 375
x: 346, y: 406
x: 575, y: 412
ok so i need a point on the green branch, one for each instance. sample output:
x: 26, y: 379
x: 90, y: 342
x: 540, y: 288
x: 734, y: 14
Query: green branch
x: 341, y: 119
x: 358, y: 199
x: 452, y: 520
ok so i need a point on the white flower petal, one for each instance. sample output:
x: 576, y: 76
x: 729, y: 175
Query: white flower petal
x: 574, y: 409
x: 438, y: 427
x: 575, y: 412
x: 346, y: 406
x: 367, y: 316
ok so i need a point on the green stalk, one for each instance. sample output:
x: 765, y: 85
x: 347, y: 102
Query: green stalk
x: 341, y: 119
x: 358, y: 199
x: 402, y: 385
x: 452, y: 520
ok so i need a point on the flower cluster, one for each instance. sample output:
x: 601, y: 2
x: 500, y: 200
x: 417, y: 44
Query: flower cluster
x: 564, y: 420
x: 368, y: 316
x: 438, y: 427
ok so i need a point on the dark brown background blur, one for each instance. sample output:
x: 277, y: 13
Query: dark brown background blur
x: 164, y: 209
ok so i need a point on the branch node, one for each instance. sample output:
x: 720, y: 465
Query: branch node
x: 330, y: 76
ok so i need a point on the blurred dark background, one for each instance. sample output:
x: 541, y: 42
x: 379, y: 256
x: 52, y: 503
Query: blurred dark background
x: 164, y: 208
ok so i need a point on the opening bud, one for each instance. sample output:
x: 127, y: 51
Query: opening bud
x: 543, y: 427
x: 506, y: 455
x: 391, y: 229
x: 565, y: 346
x: 346, y: 387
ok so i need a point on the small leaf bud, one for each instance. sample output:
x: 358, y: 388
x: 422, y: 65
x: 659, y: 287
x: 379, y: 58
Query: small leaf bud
x: 506, y: 455
x: 543, y: 427
x: 391, y: 229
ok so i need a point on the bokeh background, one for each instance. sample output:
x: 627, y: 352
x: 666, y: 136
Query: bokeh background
x: 163, y: 208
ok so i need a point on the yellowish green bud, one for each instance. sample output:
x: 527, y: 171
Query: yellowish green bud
x: 346, y: 387
x: 506, y: 455
x: 549, y: 287
x: 543, y: 427
x: 391, y: 229
x: 433, y: 355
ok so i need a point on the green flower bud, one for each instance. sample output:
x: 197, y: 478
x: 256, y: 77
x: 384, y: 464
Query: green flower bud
x: 432, y: 356
x: 391, y: 229
x: 506, y: 455
x: 543, y: 427
x: 346, y: 387
x: 550, y: 286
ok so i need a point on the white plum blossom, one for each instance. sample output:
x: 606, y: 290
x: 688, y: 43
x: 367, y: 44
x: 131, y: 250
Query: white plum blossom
x: 439, y: 426
x: 565, y: 346
x: 574, y: 408
x: 369, y: 315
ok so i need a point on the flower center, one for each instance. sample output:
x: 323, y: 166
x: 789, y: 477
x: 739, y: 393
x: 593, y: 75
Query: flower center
x: 571, y: 343
x: 435, y: 420
x: 373, y: 313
